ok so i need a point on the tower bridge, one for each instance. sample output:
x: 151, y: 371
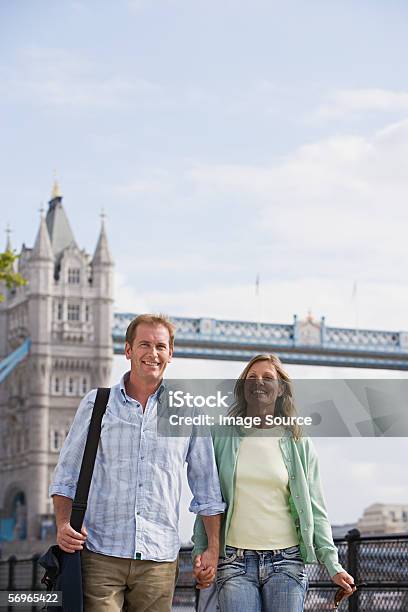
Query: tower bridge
x: 307, y: 342
x: 58, y: 336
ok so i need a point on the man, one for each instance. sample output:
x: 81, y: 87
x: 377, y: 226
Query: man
x: 131, y: 523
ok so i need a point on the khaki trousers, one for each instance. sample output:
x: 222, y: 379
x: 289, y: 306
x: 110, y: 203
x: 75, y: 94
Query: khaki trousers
x: 112, y: 584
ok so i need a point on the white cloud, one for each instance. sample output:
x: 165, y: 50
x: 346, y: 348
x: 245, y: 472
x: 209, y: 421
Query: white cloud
x: 278, y: 301
x: 330, y: 213
x: 69, y: 79
x: 127, y: 297
x: 66, y: 78
x: 338, y: 203
x: 362, y: 471
x: 150, y: 182
x: 355, y: 102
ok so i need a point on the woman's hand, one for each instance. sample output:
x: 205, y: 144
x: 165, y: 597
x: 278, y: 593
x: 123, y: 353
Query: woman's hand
x: 203, y: 573
x: 346, y: 582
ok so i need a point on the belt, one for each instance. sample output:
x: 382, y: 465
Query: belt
x: 241, y: 551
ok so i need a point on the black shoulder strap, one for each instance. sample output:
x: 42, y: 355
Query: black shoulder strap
x: 88, y: 460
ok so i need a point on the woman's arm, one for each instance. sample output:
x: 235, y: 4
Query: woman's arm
x: 325, y: 548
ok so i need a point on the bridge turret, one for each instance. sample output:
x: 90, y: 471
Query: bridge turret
x: 38, y: 374
x: 41, y: 263
x: 102, y: 284
x: 66, y: 310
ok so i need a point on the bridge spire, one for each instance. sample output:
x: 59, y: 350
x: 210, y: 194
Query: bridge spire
x: 59, y: 228
x: 56, y: 190
x: 102, y: 254
x: 42, y: 247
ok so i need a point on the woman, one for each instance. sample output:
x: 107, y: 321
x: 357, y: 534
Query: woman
x: 276, y: 519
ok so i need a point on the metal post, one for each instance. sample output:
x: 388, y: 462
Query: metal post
x: 352, y: 538
x: 295, y: 330
x: 11, y: 577
x: 34, y: 577
x: 323, y: 331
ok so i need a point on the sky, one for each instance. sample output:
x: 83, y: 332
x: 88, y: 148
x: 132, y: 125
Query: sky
x: 223, y: 140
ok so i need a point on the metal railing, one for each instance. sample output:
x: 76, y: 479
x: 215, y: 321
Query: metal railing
x: 380, y: 562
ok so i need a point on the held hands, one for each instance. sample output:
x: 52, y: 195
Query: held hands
x: 70, y: 540
x: 205, y: 567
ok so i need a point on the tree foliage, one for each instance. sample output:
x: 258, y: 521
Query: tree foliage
x: 7, y: 273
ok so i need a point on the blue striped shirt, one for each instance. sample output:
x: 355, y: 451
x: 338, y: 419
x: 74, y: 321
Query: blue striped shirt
x: 134, y: 498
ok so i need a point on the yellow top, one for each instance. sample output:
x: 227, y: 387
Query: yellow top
x: 56, y: 191
x: 261, y: 518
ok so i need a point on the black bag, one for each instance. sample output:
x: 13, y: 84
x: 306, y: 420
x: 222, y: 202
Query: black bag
x: 62, y: 569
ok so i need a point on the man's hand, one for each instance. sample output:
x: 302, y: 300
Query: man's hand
x: 204, y: 577
x: 205, y: 567
x: 346, y: 582
x: 70, y: 540
x: 209, y: 558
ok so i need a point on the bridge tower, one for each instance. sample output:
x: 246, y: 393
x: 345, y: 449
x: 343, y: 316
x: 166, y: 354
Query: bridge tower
x: 66, y: 309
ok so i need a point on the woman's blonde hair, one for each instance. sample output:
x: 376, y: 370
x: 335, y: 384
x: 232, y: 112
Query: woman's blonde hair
x: 284, y: 405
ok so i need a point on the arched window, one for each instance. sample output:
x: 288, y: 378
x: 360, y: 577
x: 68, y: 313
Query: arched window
x: 19, y: 514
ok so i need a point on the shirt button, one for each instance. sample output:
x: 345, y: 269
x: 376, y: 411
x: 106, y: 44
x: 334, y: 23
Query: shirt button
x: 141, y: 458
x: 138, y: 513
x: 140, y: 484
x: 301, y: 510
x: 292, y: 477
x: 297, y: 496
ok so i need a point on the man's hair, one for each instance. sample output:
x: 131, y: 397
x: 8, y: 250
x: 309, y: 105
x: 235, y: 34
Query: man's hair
x: 150, y: 319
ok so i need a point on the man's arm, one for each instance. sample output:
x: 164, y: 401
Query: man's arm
x: 65, y: 478
x: 207, y: 501
x: 209, y: 558
x: 205, y: 564
x: 67, y: 538
x: 202, y: 476
x: 212, y: 526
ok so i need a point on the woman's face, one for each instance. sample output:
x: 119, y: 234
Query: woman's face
x: 261, y: 387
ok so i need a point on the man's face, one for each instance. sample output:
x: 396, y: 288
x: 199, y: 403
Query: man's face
x: 150, y: 352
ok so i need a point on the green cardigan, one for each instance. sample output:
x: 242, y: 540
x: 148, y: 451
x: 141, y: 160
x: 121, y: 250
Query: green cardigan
x: 306, y: 500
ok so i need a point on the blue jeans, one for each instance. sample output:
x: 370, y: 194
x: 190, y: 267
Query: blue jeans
x: 261, y: 581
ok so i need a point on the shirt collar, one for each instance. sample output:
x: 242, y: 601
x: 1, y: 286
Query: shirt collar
x: 156, y: 395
